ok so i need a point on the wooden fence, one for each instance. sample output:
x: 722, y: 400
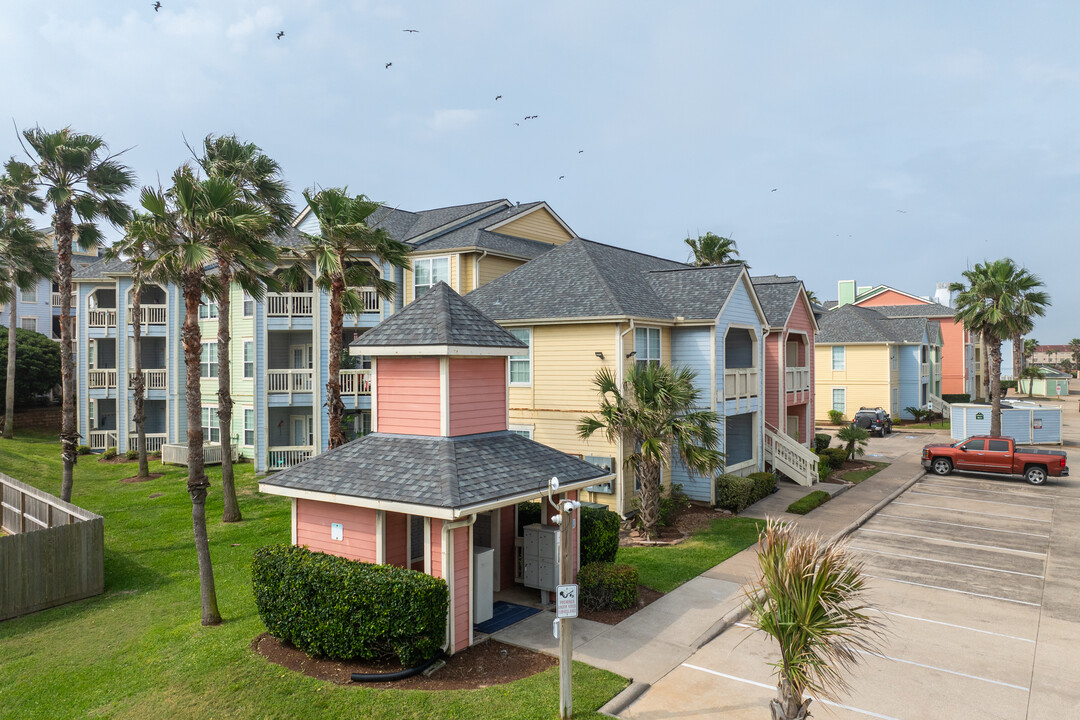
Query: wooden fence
x: 52, y: 552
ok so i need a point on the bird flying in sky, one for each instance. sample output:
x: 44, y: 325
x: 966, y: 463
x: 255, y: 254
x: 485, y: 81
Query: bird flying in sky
x: 388, y: 65
x: 157, y: 6
x: 498, y: 97
x: 281, y: 34
x: 410, y: 31
x: 561, y: 177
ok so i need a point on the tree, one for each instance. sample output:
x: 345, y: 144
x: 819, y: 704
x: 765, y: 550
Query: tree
x: 654, y: 414
x: 345, y: 236
x: 1031, y: 373
x: 182, y: 224
x: 812, y: 298
x: 854, y: 439
x: 1030, y: 347
x: 1067, y: 365
x: 247, y: 260
x: 23, y: 259
x: 809, y: 598
x: 710, y: 249
x: 1074, y: 347
x: 84, y: 183
x: 37, y: 366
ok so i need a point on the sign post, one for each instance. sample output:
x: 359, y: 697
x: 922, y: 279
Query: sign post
x: 566, y: 598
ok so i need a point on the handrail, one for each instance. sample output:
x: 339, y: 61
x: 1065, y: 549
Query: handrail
x: 790, y: 457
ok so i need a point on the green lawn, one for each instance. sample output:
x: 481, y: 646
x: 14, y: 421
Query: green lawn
x: 923, y: 426
x: 667, y: 567
x: 138, y: 651
x: 857, y: 476
x: 808, y: 502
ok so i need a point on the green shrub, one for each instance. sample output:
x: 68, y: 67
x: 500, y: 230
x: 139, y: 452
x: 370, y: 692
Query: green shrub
x: 836, y: 417
x: 734, y: 492
x: 599, y: 535
x: 83, y: 450
x: 809, y: 502
x: 109, y: 453
x: 956, y: 398
x: 821, y: 441
x: 764, y: 484
x: 824, y: 466
x: 332, y: 607
x: 837, y: 456
x: 132, y: 454
x: 672, y: 500
x: 528, y: 514
x: 607, y: 586
x: 1007, y: 385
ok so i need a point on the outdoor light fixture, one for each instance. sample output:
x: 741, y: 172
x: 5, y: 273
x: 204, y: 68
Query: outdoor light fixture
x: 599, y: 354
x: 631, y: 354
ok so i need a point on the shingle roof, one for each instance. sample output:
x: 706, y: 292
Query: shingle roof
x: 777, y: 296
x: 473, y: 235
x: 437, y: 472
x: 428, y: 220
x: 102, y: 268
x: 929, y: 310
x: 851, y: 324
x: 695, y: 293
x: 438, y: 317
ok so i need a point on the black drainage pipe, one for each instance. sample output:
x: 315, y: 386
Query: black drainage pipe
x: 398, y: 674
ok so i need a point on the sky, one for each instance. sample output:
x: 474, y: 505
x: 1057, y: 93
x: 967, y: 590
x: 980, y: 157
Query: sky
x: 891, y: 143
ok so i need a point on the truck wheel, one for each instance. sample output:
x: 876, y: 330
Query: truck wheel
x: 942, y: 466
x: 1036, y: 475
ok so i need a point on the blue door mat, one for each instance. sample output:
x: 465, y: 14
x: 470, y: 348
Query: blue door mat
x: 504, y: 615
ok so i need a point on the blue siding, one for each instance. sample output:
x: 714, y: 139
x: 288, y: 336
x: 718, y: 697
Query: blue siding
x: 259, y: 398
x: 40, y: 309
x: 123, y: 408
x: 908, y: 379
x: 690, y: 348
x: 323, y: 361
x: 1016, y: 422
x: 740, y: 311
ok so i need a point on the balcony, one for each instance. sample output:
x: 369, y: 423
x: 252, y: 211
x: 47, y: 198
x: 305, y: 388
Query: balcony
x: 355, y: 382
x: 289, y: 381
x: 56, y: 299
x: 289, y: 305
x: 102, y: 379
x: 101, y: 318
x: 102, y: 439
x: 740, y: 383
x: 154, y: 441
x: 924, y: 370
x: 155, y: 379
x: 372, y: 301
x: 285, y: 456
x: 177, y: 454
x: 150, y: 314
x: 797, y: 379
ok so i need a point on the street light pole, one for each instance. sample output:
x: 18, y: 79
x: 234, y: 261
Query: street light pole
x: 565, y: 521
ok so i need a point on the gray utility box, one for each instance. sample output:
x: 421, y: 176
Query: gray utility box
x: 541, y: 557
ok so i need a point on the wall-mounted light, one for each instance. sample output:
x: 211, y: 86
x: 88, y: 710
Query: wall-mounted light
x: 631, y: 354
x: 599, y: 354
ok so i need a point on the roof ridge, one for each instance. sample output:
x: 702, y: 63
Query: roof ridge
x: 599, y: 273
x: 627, y: 250
x: 731, y: 266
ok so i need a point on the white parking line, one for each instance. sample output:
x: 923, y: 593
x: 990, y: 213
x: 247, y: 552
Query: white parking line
x: 952, y: 625
x: 970, y: 512
x: 973, y: 527
x: 944, y: 670
x: 946, y: 562
x: 773, y: 687
x: 987, y: 502
x: 962, y: 592
x: 954, y: 542
x: 1030, y: 496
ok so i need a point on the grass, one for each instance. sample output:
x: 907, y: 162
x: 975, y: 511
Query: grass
x: 138, y: 651
x: 946, y: 425
x: 664, y: 568
x: 857, y: 476
x: 809, y: 502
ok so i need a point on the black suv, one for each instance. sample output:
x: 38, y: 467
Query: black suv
x: 875, y: 420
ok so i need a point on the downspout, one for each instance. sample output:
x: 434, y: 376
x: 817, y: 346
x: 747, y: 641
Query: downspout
x: 620, y: 373
x: 476, y: 269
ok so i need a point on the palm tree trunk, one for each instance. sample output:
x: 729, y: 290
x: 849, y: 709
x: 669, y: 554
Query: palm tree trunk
x: 335, y: 409
x: 649, y: 475
x: 197, y: 482
x: 995, y: 386
x: 69, y: 433
x: 231, y: 511
x: 9, y: 392
x: 138, y: 382
x: 1018, y: 355
x: 788, y: 705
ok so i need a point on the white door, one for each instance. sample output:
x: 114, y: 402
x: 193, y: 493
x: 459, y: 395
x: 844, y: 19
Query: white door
x: 301, y: 357
x: 793, y: 354
x: 793, y: 427
x: 303, y: 430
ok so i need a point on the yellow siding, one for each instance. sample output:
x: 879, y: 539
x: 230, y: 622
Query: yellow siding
x: 467, y: 260
x: 868, y: 378
x: 492, y: 267
x: 453, y: 275
x: 537, y: 225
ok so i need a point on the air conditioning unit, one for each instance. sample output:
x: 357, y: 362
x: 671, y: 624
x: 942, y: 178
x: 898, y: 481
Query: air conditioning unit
x: 608, y: 464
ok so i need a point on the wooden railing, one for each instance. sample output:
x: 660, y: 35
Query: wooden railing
x: 938, y: 405
x: 177, y: 454
x: 154, y: 441
x: 282, y: 457
x: 289, y: 304
x: 56, y: 299
x: 103, y: 439
x: 288, y: 381
x: 372, y: 301
x: 924, y: 370
x: 355, y: 382
x: 790, y: 457
x: 155, y: 379
x: 104, y: 318
x: 99, y: 379
x: 796, y: 378
x: 150, y: 314
x: 740, y: 383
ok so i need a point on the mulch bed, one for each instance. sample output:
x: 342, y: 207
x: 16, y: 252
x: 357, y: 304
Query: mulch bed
x: 837, y: 476
x: 483, y: 665
x: 646, y: 596
x: 687, y: 521
x: 137, y: 479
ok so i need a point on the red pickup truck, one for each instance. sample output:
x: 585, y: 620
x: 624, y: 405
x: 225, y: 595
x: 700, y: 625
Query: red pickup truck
x: 988, y: 454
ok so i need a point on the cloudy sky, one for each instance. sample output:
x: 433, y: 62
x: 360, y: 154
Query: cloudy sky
x: 892, y: 143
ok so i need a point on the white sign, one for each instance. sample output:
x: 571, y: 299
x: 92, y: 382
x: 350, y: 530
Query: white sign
x: 337, y: 532
x: 566, y: 601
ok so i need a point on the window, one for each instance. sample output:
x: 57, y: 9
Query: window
x: 92, y: 407
x: 249, y: 427
x: 249, y: 359
x: 647, y: 346
x: 210, y: 427
x: 30, y: 296
x: 521, y: 365
x: 525, y: 431
x: 91, y: 354
x: 249, y: 305
x: 28, y: 323
x: 428, y: 272
x: 839, y: 399
x: 997, y: 445
x: 208, y: 309
x: 839, y: 359
x: 208, y: 366
x: 976, y: 444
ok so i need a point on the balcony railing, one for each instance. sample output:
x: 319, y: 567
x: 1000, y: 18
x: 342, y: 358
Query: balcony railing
x: 56, y: 299
x: 154, y: 441
x: 740, y: 383
x: 288, y: 381
x: 102, y: 439
x: 288, y: 304
x: 924, y: 370
x: 102, y: 318
x: 282, y: 457
x: 102, y: 379
x: 178, y: 454
x: 355, y: 382
x: 371, y: 299
x: 155, y: 379
x: 151, y: 314
x: 796, y: 378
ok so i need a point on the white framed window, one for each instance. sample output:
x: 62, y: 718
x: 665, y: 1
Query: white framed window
x: 525, y: 431
x: 248, y: 305
x: 92, y: 411
x: 91, y: 354
x: 521, y: 365
x: 28, y: 323
x: 211, y: 427
x: 208, y: 308
x: 428, y: 272
x: 249, y: 359
x: 839, y: 399
x: 647, y: 346
x: 839, y: 357
x: 208, y: 365
x: 30, y: 295
x: 249, y: 427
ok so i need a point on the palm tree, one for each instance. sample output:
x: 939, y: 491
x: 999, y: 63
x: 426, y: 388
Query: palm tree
x: 1031, y: 373
x: 855, y: 437
x: 809, y: 598
x: 710, y: 249
x: 1074, y: 347
x: 1067, y: 365
x: 654, y: 414
x: 812, y: 298
x: 245, y: 259
x: 344, y: 234
x: 20, y: 250
x: 84, y: 183
x: 1030, y: 346
x: 183, y: 222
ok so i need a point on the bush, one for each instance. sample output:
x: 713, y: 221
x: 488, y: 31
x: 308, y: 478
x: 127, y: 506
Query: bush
x: 1007, y: 385
x: 330, y: 606
x: 599, y: 535
x: 132, y: 454
x: 83, y: 450
x: 672, y: 500
x: 764, y: 484
x: 821, y: 441
x: 109, y: 453
x: 809, y: 502
x: 824, y: 467
x: 836, y: 417
x: 607, y: 586
x: 37, y: 366
x: 734, y: 492
x: 837, y: 456
x: 956, y: 398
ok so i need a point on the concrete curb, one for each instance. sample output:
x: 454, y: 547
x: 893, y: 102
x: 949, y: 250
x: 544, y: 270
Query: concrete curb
x: 623, y: 700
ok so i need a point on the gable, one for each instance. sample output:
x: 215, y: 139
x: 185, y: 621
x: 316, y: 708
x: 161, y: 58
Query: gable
x: 889, y: 296
x: 801, y: 317
x: 539, y: 224
x: 741, y: 306
x: 309, y: 224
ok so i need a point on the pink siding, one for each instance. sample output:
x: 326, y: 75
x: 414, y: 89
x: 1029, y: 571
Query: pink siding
x: 773, y: 379
x: 477, y: 395
x: 889, y: 297
x: 507, y: 551
x: 462, y: 610
x: 313, y: 519
x: 952, y: 340
x: 396, y: 527
x: 435, y: 549
x: 778, y: 399
x: 408, y: 395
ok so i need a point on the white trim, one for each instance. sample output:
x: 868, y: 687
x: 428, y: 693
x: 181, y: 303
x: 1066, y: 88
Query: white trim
x: 444, y: 396
x: 458, y: 283
x: 293, y: 512
x: 463, y: 220
x: 879, y: 289
x: 530, y: 211
x: 432, y: 259
x: 380, y: 537
x: 24, y: 318
x: 243, y: 426
x: 375, y: 396
x: 472, y: 585
x: 448, y: 574
x: 511, y: 358
x: 243, y: 363
x: 518, y: 428
x: 429, y: 350
x: 659, y: 343
x: 427, y: 546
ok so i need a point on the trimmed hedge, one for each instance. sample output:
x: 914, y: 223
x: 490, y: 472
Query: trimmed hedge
x: 821, y: 441
x: 956, y: 398
x: 332, y: 607
x: 764, y: 483
x: 607, y: 586
x: 837, y: 456
x: 599, y: 535
x: 109, y: 453
x: 736, y: 493
x: 824, y: 466
x: 809, y: 502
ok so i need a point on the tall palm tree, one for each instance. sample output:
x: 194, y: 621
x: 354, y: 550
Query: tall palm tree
x: 183, y: 222
x: 82, y: 183
x: 1031, y: 373
x: 655, y: 413
x: 18, y: 191
x: 344, y: 234
x: 245, y: 259
x: 1030, y: 346
x: 710, y: 249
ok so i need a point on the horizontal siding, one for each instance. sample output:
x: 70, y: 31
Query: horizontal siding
x: 313, y: 520
x: 408, y: 396
x: 565, y: 365
x: 774, y: 383
x: 889, y: 297
x: 537, y: 225
x: 477, y: 395
x: 867, y: 378
x: 435, y: 549
x: 493, y: 267
x: 462, y: 606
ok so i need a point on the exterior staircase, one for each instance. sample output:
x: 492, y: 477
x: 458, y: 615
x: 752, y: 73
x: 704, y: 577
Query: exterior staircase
x: 790, y: 458
x: 940, y: 406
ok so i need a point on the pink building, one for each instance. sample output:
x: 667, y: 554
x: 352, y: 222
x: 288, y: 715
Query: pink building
x: 435, y: 486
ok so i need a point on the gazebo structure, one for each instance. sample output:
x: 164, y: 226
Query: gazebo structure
x: 435, y: 486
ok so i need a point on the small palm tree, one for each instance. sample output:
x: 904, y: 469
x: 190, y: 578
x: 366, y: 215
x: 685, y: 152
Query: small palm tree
x: 854, y: 439
x: 1031, y: 373
x: 1030, y: 346
x: 809, y: 598
x: 710, y: 249
x: 655, y: 414
x: 812, y: 298
x: 1067, y: 365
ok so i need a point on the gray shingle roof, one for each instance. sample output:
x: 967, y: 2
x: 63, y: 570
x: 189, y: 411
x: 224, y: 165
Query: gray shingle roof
x: 777, y: 296
x: 473, y: 235
x: 695, y: 293
x: 437, y: 472
x: 851, y: 324
x: 928, y: 310
x: 102, y: 268
x: 439, y: 317
x: 428, y: 220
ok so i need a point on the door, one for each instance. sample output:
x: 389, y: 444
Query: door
x: 971, y: 455
x: 793, y: 427
x: 998, y: 457
x: 301, y: 357
x: 303, y: 430
x: 793, y: 354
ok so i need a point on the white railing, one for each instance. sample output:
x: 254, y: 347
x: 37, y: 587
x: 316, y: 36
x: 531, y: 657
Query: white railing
x: 282, y: 381
x: 796, y: 378
x: 740, y: 383
x: 105, y: 318
x: 102, y: 379
x: 938, y: 405
x: 178, y: 454
x: 282, y: 457
x: 288, y: 304
x: 103, y: 439
x: 154, y: 441
x: 56, y: 299
x: 790, y: 458
x: 150, y: 314
x: 924, y: 370
x: 154, y: 379
x: 372, y: 301
x: 355, y: 382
